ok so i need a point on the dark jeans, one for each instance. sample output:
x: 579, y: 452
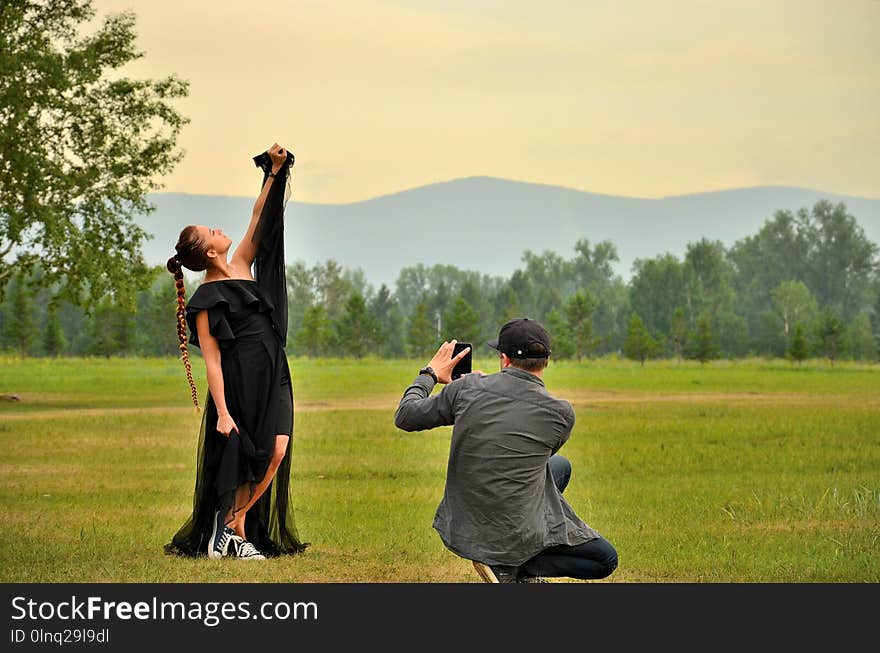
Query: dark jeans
x: 587, y: 561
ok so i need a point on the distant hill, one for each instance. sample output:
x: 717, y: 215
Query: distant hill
x: 485, y: 224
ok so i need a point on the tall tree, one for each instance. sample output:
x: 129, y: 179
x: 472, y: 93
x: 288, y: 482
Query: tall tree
x: 506, y: 305
x: 550, y: 276
x: 315, y: 334
x: 522, y: 288
x: 384, y: 309
x: 777, y: 253
x: 799, y: 348
x: 841, y: 259
x: 421, y: 335
x: 53, y: 337
x: 794, y: 302
x: 733, y: 334
x: 155, y: 324
x: 356, y: 330
x: 461, y: 322
x: 579, y: 311
x: 19, y: 318
x: 80, y: 147
x: 332, y: 289
x: 437, y: 305
x: 639, y: 344
x: 103, y: 331
x: 300, y: 295
x: 707, y: 277
x: 703, y: 341
x: 657, y: 289
x: 861, y: 343
x: 561, y: 342
x: 829, y: 334
x: 593, y: 272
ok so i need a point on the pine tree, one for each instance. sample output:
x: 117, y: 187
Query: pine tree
x: 53, y: 337
x: 461, y: 322
x: 154, y: 328
x: 798, y: 350
x: 356, y: 330
x: 313, y: 337
x: 386, y: 310
x: 420, y: 336
x: 19, y: 327
x: 102, y: 329
x: 561, y: 343
x: 829, y: 332
x: 703, y: 341
x: 579, y: 311
x: 639, y: 344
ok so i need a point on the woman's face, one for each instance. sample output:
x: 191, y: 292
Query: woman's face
x: 214, y: 239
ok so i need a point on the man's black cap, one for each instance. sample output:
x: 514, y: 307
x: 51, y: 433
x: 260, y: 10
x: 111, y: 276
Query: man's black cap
x: 522, y: 338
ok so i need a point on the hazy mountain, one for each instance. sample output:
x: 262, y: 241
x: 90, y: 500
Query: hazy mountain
x: 485, y: 224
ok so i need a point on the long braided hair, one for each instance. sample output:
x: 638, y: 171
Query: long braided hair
x: 190, y: 253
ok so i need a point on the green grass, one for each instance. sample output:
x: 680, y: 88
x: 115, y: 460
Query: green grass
x: 746, y: 471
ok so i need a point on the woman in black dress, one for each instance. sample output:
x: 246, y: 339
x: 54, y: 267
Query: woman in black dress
x: 241, y: 506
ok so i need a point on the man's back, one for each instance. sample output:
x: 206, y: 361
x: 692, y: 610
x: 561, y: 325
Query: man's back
x: 499, y: 505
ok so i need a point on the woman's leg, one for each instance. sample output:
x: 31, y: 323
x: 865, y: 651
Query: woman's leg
x: 237, y: 524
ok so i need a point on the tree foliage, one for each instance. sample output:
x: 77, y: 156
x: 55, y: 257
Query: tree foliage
x: 799, y: 349
x: 639, y: 345
x: 579, y: 311
x: 461, y: 322
x: 80, y: 147
x: 794, y: 302
x: 829, y: 334
x: 19, y: 316
x: 357, y: 330
x: 710, y: 303
x: 702, y: 341
x: 421, y: 336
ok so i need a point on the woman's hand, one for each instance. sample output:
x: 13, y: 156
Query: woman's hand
x: 225, y: 425
x: 278, y: 155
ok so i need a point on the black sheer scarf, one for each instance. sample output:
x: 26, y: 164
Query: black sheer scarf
x: 269, y: 268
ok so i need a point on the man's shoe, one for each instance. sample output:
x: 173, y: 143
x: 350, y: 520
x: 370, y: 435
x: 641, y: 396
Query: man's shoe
x: 247, y: 551
x: 531, y: 579
x: 496, y: 573
x: 221, y: 536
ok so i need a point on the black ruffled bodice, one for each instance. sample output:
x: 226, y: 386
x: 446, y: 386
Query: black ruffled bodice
x: 237, y: 309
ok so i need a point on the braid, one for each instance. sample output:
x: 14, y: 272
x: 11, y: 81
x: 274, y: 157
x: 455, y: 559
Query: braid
x: 175, y: 268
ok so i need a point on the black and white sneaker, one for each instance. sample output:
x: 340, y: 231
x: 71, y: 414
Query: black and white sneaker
x: 496, y: 573
x: 247, y: 551
x: 221, y: 537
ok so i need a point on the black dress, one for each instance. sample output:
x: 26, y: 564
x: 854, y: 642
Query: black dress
x: 249, y: 321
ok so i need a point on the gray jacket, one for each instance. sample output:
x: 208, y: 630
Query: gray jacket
x: 500, y: 505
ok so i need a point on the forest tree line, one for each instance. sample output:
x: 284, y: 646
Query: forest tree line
x: 807, y: 284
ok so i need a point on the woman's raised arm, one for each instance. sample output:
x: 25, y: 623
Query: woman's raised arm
x: 246, y: 251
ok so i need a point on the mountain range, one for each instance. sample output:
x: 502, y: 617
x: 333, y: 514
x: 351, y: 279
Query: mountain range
x: 485, y: 223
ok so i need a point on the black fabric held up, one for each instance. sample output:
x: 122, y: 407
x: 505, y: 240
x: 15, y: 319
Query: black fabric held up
x: 249, y: 320
x: 269, y: 268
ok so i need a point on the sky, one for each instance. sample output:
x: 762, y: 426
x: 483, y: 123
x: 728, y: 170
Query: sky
x: 637, y: 98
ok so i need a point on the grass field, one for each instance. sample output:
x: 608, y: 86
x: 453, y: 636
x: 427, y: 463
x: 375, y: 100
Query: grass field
x: 748, y: 471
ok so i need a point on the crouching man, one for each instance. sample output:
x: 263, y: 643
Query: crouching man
x: 502, y: 507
